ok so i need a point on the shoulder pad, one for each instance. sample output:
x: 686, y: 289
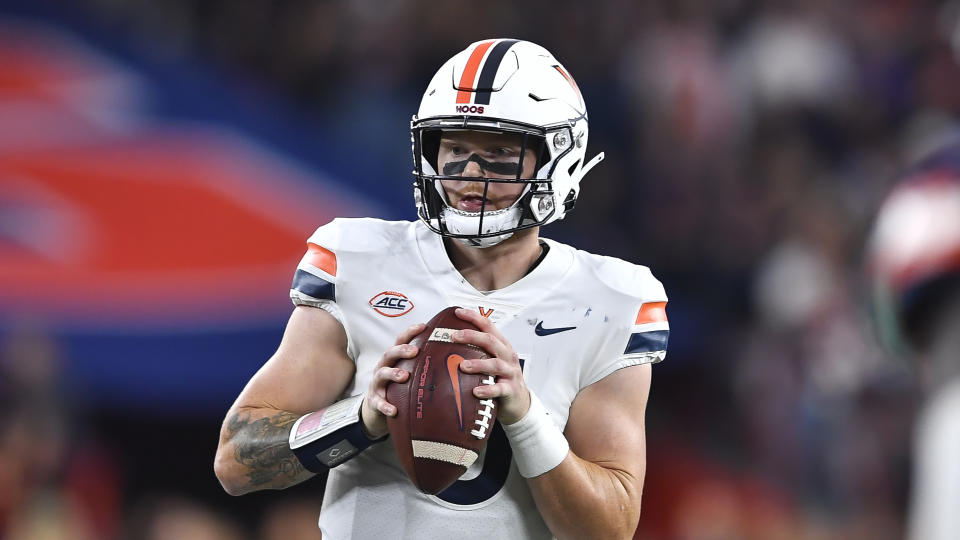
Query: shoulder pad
x: 353, y: 235
x: 627, y: 278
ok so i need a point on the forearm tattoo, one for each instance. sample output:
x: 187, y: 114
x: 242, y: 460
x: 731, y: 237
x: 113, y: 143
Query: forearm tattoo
x: 261, y: 445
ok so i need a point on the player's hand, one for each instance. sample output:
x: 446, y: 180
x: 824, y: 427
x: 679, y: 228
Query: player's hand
x: 376, y: 408
x: 504, y: 364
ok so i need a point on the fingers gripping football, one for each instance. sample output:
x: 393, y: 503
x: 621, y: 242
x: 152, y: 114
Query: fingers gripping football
x: 375, y: 405
x: 504, y: 364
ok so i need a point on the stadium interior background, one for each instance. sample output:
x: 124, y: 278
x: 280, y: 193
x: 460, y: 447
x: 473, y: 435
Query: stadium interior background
x: 163, y: 161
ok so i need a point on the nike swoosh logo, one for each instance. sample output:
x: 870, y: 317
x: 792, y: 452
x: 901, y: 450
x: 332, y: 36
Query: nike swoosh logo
x: 453, y: 369
x: 541, y: 331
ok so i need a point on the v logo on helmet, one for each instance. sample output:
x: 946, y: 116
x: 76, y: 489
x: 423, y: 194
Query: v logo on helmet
x: 570, y: 80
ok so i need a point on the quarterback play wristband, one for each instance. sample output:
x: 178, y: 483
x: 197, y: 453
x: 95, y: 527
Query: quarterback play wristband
x: 326, y: 438
x: 538, y: 444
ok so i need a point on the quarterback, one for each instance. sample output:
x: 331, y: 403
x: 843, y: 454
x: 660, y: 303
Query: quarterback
x: 499, y: 146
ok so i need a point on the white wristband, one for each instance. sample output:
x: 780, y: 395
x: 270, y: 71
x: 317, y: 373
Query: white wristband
x: 538, y: 444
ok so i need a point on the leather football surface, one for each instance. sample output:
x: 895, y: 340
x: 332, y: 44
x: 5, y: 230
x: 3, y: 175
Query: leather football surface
x: 440, y: 427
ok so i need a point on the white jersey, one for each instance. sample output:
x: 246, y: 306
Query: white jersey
x: 936, y: 486
x: 573, y: 320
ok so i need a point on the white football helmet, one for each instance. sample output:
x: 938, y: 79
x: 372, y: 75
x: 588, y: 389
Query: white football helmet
x: 914, y: 250
x: 503, y: 86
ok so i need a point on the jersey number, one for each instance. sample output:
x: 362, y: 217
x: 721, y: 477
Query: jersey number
x: 496, y: 467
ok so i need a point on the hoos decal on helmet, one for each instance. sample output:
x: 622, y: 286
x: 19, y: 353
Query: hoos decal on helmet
x: 507, y: 87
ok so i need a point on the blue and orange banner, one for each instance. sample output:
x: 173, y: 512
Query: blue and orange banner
x: 110, y: 216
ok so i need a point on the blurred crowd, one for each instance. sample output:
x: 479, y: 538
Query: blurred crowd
x: 60, y: 479
x: 748, y: 144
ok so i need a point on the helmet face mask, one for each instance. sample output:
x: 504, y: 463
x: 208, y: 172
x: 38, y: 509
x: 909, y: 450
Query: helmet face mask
x: 532, y: 207
x: 504, y: 87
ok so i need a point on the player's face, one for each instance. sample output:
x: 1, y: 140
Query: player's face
x: 479, y: 154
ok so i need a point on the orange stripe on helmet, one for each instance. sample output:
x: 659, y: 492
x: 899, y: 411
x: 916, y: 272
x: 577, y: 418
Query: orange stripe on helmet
x: 322, y: 258
x: 470, y: 72
x: 652, y: 312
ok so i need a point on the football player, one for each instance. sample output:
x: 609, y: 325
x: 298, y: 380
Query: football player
x: 499, y: 148
x: 914, y: 256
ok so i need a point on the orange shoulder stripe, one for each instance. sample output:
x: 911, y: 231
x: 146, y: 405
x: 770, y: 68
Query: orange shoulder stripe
x: 322, y: 258
x: 652, y: 312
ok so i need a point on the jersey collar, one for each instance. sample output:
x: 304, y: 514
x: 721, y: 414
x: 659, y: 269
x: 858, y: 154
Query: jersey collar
x: 541, y: 280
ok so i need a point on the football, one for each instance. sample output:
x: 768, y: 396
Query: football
x: 440, y: 427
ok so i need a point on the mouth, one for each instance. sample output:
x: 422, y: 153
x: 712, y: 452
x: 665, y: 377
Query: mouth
x: 471, y: 202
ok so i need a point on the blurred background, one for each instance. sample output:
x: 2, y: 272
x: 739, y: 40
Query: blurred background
x: 162, y: 163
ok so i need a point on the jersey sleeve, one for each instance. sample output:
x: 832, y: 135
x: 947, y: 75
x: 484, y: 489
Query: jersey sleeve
x: 315, y: 280
x: 649, y: 333
x: 641, y: 334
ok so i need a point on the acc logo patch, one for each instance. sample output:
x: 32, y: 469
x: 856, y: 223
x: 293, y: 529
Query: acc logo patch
x: 391, y: 304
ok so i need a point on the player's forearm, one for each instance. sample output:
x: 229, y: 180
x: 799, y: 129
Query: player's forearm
x: 580, y: 499
x: 254, y: 451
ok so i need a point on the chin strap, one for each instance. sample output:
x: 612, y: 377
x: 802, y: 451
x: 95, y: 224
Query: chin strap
x: 459, y: 222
